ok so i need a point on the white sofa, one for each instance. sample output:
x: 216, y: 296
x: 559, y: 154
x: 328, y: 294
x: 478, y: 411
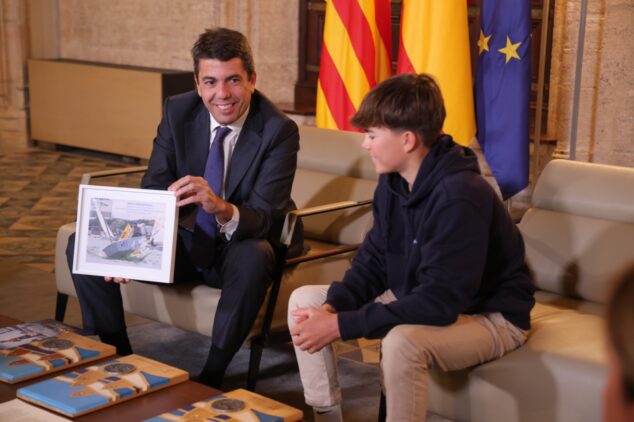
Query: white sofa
x: 578, y: 234
x: 332, y: 168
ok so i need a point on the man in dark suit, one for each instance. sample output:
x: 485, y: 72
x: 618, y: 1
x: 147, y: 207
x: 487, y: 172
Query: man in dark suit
x: 232, y: 199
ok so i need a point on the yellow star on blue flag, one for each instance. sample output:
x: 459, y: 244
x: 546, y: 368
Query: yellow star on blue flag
x: 510, y: 50
x: 483, y: 42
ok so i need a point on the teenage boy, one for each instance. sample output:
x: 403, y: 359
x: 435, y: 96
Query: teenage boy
x: 440, y: 277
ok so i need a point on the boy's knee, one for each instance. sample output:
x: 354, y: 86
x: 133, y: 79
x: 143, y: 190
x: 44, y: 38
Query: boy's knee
x: 393, y: 341
x: 307, y: 296
x: 299, y: 297
x: 400, y: 348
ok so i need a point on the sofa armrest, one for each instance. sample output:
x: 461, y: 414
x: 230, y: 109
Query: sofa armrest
x: 63, y: 279
x: 291, y: 218
x: 285, y: 264
x: 87, y: 177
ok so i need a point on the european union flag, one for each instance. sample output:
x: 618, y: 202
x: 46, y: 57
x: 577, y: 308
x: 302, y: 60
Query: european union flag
x: 503, y: 84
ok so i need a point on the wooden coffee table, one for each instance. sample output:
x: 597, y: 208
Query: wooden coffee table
x: 138, y: 409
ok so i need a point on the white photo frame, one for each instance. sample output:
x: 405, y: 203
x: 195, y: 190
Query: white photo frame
x: 124, y: 232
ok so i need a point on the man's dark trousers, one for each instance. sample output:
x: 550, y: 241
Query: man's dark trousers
x: 242, y: 269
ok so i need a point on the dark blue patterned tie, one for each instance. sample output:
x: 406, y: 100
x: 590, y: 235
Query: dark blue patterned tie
x: 206, y: 228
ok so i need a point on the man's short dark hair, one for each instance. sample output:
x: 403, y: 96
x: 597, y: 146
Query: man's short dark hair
x: 223, y: 44
x: 404, y: 102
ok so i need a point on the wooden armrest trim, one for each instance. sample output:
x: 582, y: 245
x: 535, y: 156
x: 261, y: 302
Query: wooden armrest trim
x: 335, y: 206
x: 86, y: 177
x: 292, y: 216
x: 330, y: 252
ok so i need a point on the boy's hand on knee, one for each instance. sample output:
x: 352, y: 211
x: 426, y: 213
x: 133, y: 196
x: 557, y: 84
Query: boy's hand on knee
x: 315, y: 328
x: 299, y: 316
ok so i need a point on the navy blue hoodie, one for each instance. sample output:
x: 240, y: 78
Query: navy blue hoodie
x: 446, y: 248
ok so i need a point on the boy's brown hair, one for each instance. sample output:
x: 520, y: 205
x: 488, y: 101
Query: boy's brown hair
x: 404, y: 102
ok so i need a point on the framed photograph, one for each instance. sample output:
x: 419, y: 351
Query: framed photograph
x: 123, y: 232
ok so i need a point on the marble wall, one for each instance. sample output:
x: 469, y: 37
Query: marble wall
x: 606, y: 128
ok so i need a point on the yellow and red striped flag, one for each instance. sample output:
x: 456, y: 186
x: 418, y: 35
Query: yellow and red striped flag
x: 355, y: 56
x: 435, y: 40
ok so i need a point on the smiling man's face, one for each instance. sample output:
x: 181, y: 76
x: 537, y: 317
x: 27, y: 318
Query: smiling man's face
x: 225, y: 88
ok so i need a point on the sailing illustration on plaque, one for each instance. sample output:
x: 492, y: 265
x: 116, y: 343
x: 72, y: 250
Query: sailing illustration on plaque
x: 124, y: 232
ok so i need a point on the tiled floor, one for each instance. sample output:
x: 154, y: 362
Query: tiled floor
x: 38, y: 194
x: 360, y: 350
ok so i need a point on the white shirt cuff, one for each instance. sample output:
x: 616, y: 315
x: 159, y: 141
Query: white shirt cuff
x: 229, y: 228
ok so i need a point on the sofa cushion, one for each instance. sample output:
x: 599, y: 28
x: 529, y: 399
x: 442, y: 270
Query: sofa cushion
x: 313, y: 188
x: 578, y: 232
x: 586, y: 189
x: 565, y: 302
x: 573, y: 255
x: 558, y: 375
x: 334, y: 151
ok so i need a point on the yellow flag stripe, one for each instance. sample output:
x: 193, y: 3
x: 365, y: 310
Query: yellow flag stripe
x: 369, y: 11
x: 323, y: 116
x: 383, y: 67
x: 435, y: 38
x: 384, y: 63
x: 339, y: 45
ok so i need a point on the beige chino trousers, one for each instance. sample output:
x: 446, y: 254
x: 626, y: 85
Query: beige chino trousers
x: 407, y: 353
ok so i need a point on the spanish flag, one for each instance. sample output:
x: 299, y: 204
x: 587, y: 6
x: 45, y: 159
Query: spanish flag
x: 355, y: 56
x: 435, y: 40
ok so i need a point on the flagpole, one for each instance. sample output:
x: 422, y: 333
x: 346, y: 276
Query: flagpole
x: 537, y: 138
x: 575, y: 100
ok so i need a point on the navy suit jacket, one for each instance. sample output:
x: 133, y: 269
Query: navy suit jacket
x: 261, y: 171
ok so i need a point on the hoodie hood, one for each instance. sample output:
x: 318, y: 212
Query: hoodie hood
x: 444, y: 159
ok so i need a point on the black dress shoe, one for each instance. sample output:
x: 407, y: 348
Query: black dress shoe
x: 119, y: 340
x: 208, y: 380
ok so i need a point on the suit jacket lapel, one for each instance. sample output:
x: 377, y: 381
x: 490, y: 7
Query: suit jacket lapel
x: 248, y: 144
x: 197, y: 142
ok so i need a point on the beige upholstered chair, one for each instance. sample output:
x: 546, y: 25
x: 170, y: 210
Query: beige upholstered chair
x: 334, y: 181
